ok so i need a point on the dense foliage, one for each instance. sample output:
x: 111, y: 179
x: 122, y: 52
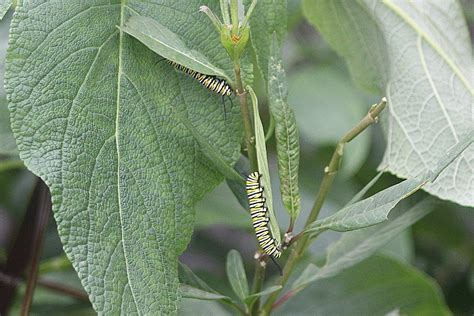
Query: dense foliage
x: 137, y: 156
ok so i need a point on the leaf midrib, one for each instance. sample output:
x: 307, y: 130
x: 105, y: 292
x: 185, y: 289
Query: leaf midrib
x: 117, y: 133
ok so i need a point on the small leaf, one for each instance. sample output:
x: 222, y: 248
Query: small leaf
x: 263, y: 165
x: 286, y: 132
x: 210, y: 151
x: 251, y: 298
x: 236, y: 274
x: 188, y: 291
x: 353, y: 247
x: 169, y: 45
x: 242, y: 166
x: 187, y: 276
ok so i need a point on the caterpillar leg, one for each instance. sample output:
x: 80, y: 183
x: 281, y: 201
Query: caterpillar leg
x: 159, y: 61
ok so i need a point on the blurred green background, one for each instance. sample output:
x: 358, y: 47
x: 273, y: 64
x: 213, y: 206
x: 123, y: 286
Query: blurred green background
x: 326, y: 105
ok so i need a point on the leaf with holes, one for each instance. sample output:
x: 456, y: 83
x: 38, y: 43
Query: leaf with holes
x: 92, y: 115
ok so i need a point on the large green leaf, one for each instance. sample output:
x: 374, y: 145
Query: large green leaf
x: 355, y: 246
x: 286, y: 133
x: 91, y: 113
x: 269, y: 17
x: 421, y: 59
x: 377, y: 286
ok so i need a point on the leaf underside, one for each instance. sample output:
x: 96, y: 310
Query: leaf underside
x: 421, y: 59
x: 91, y: 114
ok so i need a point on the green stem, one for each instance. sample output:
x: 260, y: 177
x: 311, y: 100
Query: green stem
x: 259, y: 275
x: 258, y: 279
x: 248, y: 130
x: 329, y: 174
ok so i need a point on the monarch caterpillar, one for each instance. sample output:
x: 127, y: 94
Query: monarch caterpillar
x: 214, y: 84
x: 260, y: 218
x: 219, y: 86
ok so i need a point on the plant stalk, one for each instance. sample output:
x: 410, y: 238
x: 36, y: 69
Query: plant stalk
x: 329, y: 174
x: 259, y: 275
x: 248, y: 130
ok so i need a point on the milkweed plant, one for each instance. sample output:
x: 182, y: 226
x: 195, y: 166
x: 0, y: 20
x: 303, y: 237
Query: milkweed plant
x: 128, y: 145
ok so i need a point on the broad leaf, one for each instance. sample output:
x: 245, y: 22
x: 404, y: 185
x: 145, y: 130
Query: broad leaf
x: 168, y: 45
x: 268, y: 18
x: 377, y: 286
x: 286, y: 133
x: 91, y: 114
x: 236, y: 274
x: 263, y: 165
x: 421, y: 59
x: 355, y: 246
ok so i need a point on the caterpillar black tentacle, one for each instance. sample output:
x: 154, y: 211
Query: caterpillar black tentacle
x: 212, y: 83
x: 260, y: 217
x: 217, y: 85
